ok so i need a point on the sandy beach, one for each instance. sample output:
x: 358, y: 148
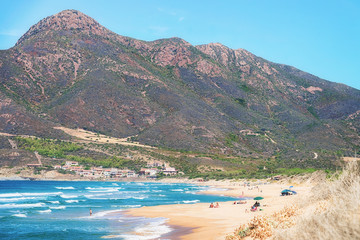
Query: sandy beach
x: 216, y: 223
x: 198, y: 221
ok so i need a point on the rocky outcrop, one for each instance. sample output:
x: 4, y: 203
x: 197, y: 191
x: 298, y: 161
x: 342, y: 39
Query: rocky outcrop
x: 68, y: 20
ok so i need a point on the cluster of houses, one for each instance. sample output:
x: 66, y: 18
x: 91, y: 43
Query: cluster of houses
x: 151, y: 171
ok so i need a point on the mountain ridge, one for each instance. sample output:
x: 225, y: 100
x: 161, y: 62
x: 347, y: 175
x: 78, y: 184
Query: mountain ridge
x: 65, y: 20
x: 73, y: 71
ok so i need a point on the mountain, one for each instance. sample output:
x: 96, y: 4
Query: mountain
x: 69, y: 70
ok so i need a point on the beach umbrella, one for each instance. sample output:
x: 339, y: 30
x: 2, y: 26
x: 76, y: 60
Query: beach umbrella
x: 285, y: 191
x: 258, y: 198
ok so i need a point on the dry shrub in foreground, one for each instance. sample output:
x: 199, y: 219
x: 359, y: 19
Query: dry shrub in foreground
x: 332, y: 210
x: 262, y: 227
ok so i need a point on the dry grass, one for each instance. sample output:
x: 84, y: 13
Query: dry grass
x: 262, y: 227
x: 330, y: 211
x: 89, y: 136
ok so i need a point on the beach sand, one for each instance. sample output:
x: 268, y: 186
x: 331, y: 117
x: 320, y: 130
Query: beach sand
x: 216, y: 223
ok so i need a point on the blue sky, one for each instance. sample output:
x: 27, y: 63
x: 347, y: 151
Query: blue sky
x: 321, y: 37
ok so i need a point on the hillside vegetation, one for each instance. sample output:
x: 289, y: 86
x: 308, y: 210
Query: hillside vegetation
x: 70, y: 71
x: 192, y: 164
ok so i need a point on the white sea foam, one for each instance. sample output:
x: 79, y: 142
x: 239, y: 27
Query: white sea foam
x: 16, y: 199
x: 10, y: 195
x: 94, y: 196
x: 177, y: 190
x: 89, y: 195
x: 65, y: 188
x: 58, y: 207
x: 54, y: 202
x: 125, y: 197
x: 45, y: 211
x: 153, y: 230
x: 68, y: 196
x: 104, y: 213
x: 29, y: 205
x: 4, y: 195
x: 125, y: 206
x: 157, y: 190
x: 143, y: 197
x: 22, y: 215
x: 103, y: 189
x: 111, y: 214
x: 191, y: 192
x: 72, y: 201
x: 42, y: 194
x: 192, y: 201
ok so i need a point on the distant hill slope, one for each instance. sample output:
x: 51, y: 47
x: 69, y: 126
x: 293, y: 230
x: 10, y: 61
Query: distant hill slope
x: 70, y: 70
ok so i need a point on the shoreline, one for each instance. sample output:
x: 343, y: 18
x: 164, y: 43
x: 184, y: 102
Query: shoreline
x: 216, y: 223
x: 198, y: 221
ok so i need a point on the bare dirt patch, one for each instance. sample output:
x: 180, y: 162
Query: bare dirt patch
x: 89, y: 136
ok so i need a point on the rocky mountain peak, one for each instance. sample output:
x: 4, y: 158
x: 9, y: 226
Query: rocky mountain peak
x: 69, y: 69
x: 65, y: 20
x: 226, y: 56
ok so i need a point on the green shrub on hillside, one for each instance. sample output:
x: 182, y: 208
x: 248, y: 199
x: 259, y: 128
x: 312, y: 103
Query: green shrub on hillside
x: 48, y: 147
x: 112, y: 162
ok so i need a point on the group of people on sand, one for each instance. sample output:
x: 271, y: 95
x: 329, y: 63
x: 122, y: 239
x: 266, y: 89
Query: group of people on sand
x: 214, y: 206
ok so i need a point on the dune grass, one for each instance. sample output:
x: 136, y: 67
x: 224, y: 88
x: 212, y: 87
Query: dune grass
x: 330, y: 211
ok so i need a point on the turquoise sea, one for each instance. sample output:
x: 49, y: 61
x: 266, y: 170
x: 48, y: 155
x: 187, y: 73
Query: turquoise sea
x: 61, y: 209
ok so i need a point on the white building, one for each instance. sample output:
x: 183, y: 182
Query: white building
x: 71, y: 163
x: 131, y: 174
x: 170, y: 171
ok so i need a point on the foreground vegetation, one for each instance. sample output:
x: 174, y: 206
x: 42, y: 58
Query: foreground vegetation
x: 331, y: 211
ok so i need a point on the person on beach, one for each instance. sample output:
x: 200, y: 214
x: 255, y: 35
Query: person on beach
x: 211, y: 205
x: 90, y: 212
x: 217, y: 205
